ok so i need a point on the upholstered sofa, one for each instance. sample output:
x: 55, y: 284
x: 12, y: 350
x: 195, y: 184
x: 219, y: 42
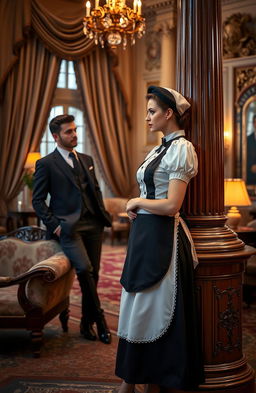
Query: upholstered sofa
x: 35, y: 282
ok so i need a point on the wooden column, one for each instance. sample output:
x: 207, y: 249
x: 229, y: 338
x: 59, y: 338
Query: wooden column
x: 221, y: 254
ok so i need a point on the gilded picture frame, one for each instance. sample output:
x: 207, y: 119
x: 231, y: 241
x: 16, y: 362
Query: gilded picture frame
x: 245, y: 126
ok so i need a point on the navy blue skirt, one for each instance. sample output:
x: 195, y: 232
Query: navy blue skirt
x: 175, y: 359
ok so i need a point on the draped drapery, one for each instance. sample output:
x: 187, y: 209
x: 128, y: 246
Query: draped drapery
x: 57, y: 25
x: 27, y: 96
x: 15, y: 17
x: 122, y: 67
x: 105, y: 109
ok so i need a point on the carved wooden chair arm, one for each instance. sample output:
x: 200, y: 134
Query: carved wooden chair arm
x: 45, y: 273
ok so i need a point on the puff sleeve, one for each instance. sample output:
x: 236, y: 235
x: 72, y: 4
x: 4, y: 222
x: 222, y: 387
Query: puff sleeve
x: 180, y: 160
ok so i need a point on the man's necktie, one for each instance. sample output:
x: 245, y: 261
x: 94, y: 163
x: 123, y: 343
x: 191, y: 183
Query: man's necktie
x: 75, y: 163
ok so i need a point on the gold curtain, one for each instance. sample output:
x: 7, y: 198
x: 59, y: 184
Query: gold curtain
x: 105, y: 109
x: 27, y: 96
x: 123, y: 69
x: 15, y: 17
x: 58, y: 26
x: 58, y: 23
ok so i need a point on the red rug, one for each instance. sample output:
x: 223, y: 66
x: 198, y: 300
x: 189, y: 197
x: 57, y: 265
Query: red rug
x: 38, y: 385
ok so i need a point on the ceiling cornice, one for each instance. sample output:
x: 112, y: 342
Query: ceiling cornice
x: 152, y: 7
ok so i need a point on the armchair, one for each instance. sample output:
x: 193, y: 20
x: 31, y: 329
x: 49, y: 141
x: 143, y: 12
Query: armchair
x: 35, y: 282
x: 116, y: 207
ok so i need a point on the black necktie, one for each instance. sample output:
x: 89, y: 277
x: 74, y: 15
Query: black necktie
x: 164, y: 144
x: 75, y: 163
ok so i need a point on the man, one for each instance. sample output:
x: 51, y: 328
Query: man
x: 75, y: 216
x: 251, y: 155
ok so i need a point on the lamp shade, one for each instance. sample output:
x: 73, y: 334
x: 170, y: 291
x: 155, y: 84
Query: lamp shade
x: 235, y: 193
x: 31, y: 159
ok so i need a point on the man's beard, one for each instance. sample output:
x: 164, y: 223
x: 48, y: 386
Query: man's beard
x: 71, y: 144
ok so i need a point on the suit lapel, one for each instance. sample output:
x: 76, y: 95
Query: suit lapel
x: 85, y: 167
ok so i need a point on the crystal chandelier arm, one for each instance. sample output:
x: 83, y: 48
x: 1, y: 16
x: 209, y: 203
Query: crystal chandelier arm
x: 113, y: 22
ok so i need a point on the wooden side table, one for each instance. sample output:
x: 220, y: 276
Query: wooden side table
x: 19, y: 218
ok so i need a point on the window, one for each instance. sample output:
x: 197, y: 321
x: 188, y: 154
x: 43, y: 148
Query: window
x: 68, y: 99
x: 67, y: 76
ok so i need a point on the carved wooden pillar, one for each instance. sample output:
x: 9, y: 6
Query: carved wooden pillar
x: 221, y: 253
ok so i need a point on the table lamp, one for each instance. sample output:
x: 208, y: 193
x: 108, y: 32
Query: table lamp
x: 235, y: 194
x: 30, y: 163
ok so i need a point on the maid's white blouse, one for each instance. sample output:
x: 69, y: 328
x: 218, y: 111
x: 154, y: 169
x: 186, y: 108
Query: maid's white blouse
x: 179, y: 162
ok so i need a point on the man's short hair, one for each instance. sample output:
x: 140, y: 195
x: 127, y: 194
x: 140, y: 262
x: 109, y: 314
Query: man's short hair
x: 57, y: 121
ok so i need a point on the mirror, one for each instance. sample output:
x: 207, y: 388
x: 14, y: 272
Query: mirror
x: 246, y: 138
x: 249, y: 121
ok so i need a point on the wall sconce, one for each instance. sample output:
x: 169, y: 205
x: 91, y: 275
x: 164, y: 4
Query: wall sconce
x: 30, y: 163
x: 236, y: 194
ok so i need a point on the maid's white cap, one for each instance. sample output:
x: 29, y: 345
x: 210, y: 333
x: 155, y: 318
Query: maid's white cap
x: 170, y: 97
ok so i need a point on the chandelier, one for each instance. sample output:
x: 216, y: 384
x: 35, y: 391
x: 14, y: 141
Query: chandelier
x: 114, y: 22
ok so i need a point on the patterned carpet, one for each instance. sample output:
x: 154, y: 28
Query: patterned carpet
x: 68, y: 362
x: 19, y: 385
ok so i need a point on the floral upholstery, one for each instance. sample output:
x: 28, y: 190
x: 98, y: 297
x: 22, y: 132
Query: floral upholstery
x: 16, y: 256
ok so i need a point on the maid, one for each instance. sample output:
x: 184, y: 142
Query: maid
x: 159, y: 344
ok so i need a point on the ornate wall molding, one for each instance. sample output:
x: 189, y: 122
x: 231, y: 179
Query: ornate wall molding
x: 166, y: 26
x: 153, y: 6
x: 239, y: 36
x: 244, y: 77
x: 153, y: 51
x: 161, y: 17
